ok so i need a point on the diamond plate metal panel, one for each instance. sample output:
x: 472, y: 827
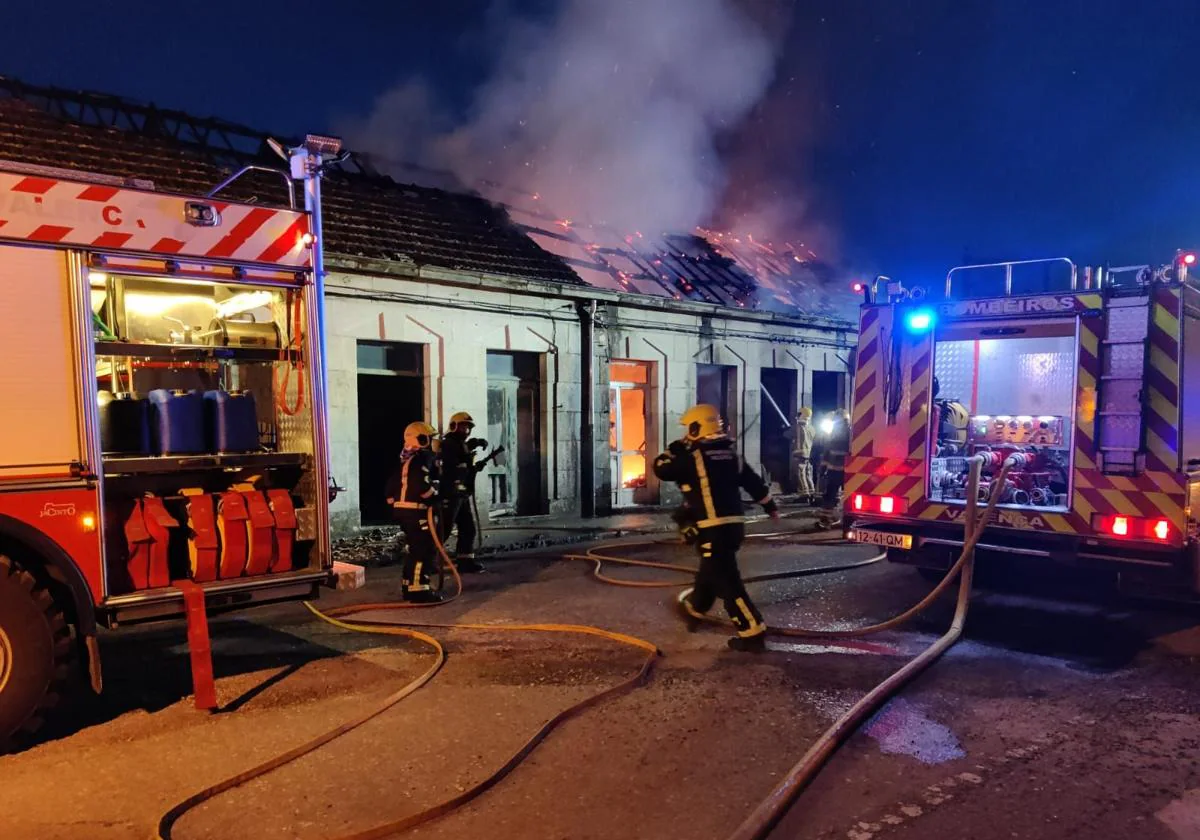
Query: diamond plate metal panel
x: 1045, y: 383
x: 954, y: 367
x: 1127, y: 320
x: 1121, y: 395
x: 1121, y: 432
x: 1125, y: 360
x: 295, y: 434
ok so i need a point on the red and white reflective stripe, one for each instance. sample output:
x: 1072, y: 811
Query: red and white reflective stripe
x: 51, y: 210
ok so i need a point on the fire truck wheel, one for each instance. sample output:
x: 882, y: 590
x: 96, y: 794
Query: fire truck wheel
x: 35, y: 652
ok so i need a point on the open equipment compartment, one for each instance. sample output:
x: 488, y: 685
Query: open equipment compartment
x: 206, y: 424
x: 1004, y: 389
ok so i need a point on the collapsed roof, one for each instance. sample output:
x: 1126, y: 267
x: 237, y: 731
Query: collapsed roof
x: 370, y: 215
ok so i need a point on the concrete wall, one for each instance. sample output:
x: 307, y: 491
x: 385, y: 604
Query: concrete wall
x: 676, y: 343
x: 458, y: 324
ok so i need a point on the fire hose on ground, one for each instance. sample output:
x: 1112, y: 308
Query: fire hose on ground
x: 762, y: 820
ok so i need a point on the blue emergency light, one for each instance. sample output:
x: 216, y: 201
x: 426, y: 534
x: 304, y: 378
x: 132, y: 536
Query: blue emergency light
x: 919, y: 320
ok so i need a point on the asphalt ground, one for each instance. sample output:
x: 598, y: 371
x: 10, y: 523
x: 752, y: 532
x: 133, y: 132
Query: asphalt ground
x: 1067, y: 712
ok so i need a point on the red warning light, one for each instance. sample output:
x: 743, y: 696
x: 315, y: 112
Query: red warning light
x: 1120, y: 526
x: 1189, y: 259
x: 1162, y: 529
x: 887, y: 504
x: 858, y: 288
x: 858, y: 501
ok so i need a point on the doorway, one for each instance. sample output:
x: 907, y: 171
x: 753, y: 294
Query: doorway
x: 777, y: 413
x: 629, y: 431
x: 828, y: 392
x: 514, y: 421
x: 391, y: 394
x: 717, y: 385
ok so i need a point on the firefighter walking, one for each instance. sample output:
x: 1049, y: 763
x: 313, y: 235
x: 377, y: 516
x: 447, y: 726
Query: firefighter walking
x: 711, y: 476
x: 459, y: 469
x: 411, y: 491
x: 835, y: 449
x: 802, y: 456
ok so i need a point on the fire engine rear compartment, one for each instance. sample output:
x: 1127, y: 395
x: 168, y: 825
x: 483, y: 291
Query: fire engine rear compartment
x: 1004, y: 389
x: 205, y: 427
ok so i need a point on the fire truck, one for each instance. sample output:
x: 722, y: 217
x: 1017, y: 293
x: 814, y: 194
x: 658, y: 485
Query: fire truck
x: 165, y: 447
x: 1078, y: 385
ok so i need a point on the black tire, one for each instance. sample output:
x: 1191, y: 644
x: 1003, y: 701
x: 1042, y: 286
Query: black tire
x: 35, y: 653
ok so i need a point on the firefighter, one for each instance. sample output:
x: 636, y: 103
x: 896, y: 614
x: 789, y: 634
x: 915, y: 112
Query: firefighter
x: 459, y: 469
x: 802, y: 456
x: 411, y: 491
x: 834, y: 450
x: 707, y: 469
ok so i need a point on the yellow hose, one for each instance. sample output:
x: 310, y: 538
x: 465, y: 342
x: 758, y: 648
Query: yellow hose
x: 395, y: 628
x: 779, y: 799
x: 763, y: 819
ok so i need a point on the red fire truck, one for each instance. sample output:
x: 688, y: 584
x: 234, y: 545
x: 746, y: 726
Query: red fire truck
x: 164, y: 438
x: 1081, y: 389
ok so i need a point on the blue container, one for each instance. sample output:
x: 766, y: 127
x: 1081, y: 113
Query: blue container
x: 231, y: 421
x: 177, y: 422
x: 124, y: 424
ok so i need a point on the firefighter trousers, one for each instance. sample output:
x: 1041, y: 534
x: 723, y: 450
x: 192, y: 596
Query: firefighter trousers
x: 719, y: 577
x: 458, y: 512
x: 833, y: 488
x: 422, y: 551
x: 804, y: 477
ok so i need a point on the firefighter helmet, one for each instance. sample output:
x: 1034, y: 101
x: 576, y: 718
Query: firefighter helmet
x: 461, y: 419
x: 701, y: 421
x: 806, y: 413
x: 418, y: 435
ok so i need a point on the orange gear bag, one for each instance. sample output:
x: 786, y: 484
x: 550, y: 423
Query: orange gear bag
x: 204, y: 547
x: 138, y: 540
x: 285, y: 529
x: 231, y: 523
x: 261, y: 525
x: 159, y: 523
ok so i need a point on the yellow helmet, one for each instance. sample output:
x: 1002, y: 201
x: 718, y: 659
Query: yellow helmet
x: 806, y: 412
x: 418, y: 435
x: 701, y: 421
x: 461, y: 418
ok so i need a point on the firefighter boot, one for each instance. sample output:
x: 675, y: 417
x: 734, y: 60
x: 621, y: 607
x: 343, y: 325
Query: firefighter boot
x: 749, y: 644
x: 422, y: 596
x: 690, y: 615
x: 467, y: 564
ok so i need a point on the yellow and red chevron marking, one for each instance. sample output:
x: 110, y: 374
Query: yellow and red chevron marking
x: 920, y: 381
x: 1162, y: 381
x: 868, y: 380
x: 1086, y: 407
x: 63, y: 212
x: 885, y: 477
x: 1152, y: 495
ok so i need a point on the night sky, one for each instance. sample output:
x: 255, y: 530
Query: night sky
x: 921, y: 132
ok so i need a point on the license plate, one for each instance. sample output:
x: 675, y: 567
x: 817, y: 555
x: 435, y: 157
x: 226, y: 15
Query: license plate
x: 882, y: 538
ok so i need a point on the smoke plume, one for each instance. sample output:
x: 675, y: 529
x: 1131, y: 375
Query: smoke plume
x: 611, y: 112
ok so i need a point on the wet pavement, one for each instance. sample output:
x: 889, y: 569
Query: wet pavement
x: 1068, y: 712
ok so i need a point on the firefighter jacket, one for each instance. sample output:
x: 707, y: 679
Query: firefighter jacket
x: 836, y: 447
x: 413, y: 486
x: 712, y: 477
x: 458, y: 465
x: 804, y: 439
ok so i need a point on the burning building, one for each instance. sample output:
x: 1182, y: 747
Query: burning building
x: 575, y: 348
